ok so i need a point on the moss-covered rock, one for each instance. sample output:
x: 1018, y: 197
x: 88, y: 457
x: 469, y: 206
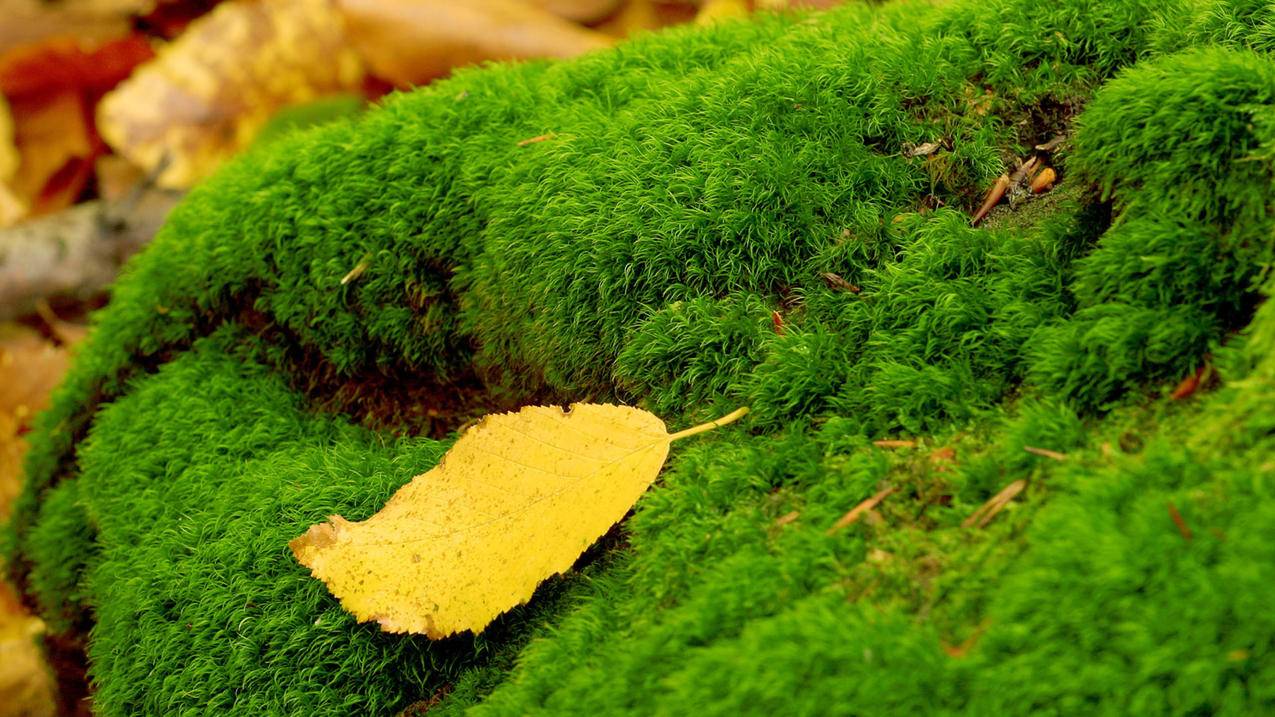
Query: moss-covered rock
x: 719, y: 216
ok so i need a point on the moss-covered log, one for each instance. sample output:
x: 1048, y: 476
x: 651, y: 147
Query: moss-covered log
x: 710, y: 217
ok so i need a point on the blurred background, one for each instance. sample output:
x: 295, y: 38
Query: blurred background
x: 111, y: 109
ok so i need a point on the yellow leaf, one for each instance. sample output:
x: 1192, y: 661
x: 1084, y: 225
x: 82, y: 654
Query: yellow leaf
x: 637, y: 16
x: 8, y: 152
x: 717, y: 10
x: 26, y: 685
x: 516, y: 500
x: 206, y: 95
x: 11, y: 207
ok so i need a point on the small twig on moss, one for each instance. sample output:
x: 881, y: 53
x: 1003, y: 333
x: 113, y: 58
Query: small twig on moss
x: 1191, y: 383
x: 1046, y: 453
x: 787, y: 518
x: 777, y: 321
x: 358, y: 269
x: 893, y: 443
x: 859, y: 510
x: 988, y: 510
x: 1183, y: 528
x: 534, y: 140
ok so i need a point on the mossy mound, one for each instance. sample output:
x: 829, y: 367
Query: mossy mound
x: 716, y: 217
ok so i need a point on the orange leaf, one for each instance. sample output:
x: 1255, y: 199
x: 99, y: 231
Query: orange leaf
x: 55, y: 146
x: 67, y: 63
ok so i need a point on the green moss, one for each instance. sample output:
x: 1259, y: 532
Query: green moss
x: 695, y: 185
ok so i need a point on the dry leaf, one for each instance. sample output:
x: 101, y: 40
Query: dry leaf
x: 12, y: 448
x: 778, y: 5
x: 68, y: 63
x: 646, y: 15
x: 55, y: 148
x: 26, y: 685
x: 516, y: 500
x: 30, y: 367
x: 410, y: 42
x: 582, y: 11
x: 207, y: 94
x: 33, y: 21
x: 11, y: 208
x: 717, y: 10
x: 8, y: 152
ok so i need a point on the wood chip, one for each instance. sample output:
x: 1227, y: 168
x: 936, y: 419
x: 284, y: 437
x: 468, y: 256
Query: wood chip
x: 891, y: 443
x: 857, y: 512
x: 1046, y: 453
x: 988, y: 510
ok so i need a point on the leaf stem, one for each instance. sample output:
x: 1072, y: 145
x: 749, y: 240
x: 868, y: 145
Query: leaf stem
x: 703, y: 427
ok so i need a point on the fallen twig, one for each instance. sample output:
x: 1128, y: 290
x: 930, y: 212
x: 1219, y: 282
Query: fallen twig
x: 988, y: 510
x: 534, y: 140
x: 859, y: 510
x: 1183, y: 528
x: 1046, y: 453
x: 893, y: 443
x: 76, y: 253
x: 787, y: 518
